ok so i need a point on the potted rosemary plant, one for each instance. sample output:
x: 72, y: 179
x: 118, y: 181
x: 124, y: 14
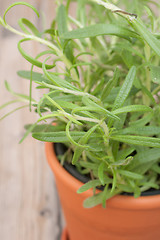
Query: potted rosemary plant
x: 104, y: 102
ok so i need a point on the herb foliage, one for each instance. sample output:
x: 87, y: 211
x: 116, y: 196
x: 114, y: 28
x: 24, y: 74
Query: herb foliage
x: 105, y: 101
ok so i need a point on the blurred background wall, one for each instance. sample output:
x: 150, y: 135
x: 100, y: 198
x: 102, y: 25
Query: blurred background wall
x: 29, y: 205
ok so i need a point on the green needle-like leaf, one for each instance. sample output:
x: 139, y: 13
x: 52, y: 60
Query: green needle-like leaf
x: 90, y: 103
x: 155, y: 74
x: 61, y: 136
x: 29, y: 58
x: 62, y: 20
x: 125, y: 89
x: 109, y: 86
x: 132, y: 108
x: 88, y: 185
x: 144, y: 130
x: 137, y: 140
x: 130, y: 174
x: 152, y: 41
x: 101, y: 173
x: 78, y: 150
x: 99, y: 29
x: 25, y: 22
x: 20, y: 3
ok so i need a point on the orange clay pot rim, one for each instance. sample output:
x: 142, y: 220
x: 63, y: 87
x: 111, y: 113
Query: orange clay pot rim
x: 118, y: 201
x: 64, y: 234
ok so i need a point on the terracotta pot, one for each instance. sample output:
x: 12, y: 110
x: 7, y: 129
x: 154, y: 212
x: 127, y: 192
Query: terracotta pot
x: 64, y: 235
x: 125, y: 218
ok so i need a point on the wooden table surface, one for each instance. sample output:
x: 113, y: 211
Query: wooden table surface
x: 29, y: 205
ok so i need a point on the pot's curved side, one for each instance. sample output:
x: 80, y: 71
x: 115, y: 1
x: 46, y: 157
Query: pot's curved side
x: 125, y: 218
x: 65, y: 235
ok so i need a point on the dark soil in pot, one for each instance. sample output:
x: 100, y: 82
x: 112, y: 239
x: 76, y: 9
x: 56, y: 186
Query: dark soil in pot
x: 60, y: 150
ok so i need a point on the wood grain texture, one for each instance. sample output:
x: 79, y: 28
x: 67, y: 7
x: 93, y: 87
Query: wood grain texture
x: 29, y: 205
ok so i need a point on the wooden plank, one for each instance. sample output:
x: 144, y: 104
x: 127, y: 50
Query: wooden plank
x: 29, y: 205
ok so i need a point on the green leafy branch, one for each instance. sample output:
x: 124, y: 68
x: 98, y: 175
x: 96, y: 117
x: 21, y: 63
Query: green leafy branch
x: 104, y: 98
